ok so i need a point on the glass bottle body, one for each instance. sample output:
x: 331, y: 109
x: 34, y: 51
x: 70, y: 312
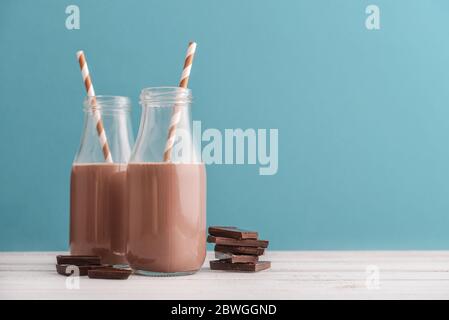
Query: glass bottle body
x: 167, y: 207
x: 98, y: 194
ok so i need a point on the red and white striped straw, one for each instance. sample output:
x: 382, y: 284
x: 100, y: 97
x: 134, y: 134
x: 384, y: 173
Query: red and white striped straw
x: 177, y: 110
x: 96, y: 114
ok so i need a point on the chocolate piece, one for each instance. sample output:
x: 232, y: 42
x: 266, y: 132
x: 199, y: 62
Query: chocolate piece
x: 62, y: 269
x: 79, y: 260
x: 240, y: 250
x: 249, y: 267
x: 232, y: 232
x: 239, y: 243
x: 234, y: 258
x: 109, y: 273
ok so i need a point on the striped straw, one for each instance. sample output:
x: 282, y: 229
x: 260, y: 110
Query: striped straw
x: 176, y: 115
x: 97, y: 117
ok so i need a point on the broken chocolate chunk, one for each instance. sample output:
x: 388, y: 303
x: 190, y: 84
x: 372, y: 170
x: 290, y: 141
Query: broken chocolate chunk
x: 232, y: 232
x: 77, y: 260
x: 235, y: 258
x: 109, y: 273
x: 69, y: 269
x: 240, y: 250
x: 238, y: 242
x: 247, y: 267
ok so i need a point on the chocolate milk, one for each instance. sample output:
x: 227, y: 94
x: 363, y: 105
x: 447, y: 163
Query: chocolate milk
x: 98, y: 211
x: 167, y: 217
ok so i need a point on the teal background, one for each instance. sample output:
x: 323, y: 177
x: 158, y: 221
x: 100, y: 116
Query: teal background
x: 363, y: 116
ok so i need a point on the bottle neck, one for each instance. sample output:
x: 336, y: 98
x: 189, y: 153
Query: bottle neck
x: 166, y: 114
x: 107, y: 121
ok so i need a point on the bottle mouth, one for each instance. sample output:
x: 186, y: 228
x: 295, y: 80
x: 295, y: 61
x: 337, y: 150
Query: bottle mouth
x: 107, y: 103
x: 165, y: 96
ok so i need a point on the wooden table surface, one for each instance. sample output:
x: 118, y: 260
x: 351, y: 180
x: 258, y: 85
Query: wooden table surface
x: 294, y: 275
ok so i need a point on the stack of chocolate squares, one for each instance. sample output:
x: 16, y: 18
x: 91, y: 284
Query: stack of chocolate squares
x: 237, y: 249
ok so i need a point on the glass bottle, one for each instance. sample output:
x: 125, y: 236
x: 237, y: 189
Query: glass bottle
x: 98, y: 196
x: 167, y: 198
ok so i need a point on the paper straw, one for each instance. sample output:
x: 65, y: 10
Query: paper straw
x: 96, y: 114
x: 177, y: 110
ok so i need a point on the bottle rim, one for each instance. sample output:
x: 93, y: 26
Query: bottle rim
x: 165, y: 97
x: 107, y: 103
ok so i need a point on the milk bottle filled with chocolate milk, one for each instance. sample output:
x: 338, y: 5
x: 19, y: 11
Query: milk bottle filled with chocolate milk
x: 98, y: 203
x: 166, y: 188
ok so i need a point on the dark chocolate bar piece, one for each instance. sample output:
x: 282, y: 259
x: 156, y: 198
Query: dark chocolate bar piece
x: 238, y: 243
x: 248, y: 267
x: 240, y: 250
x: 79, y: 260
x: 62, y: 269
x: 232, y: 232
x: 235, y: 258
x: 109, y: 273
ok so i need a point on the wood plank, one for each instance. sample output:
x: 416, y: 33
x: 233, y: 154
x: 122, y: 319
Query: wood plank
x: 294, y: 275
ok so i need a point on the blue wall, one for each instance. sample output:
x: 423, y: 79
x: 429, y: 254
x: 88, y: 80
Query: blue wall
x: 363, y: 116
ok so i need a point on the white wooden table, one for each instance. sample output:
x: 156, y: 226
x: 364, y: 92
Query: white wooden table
x: 294, y: 275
